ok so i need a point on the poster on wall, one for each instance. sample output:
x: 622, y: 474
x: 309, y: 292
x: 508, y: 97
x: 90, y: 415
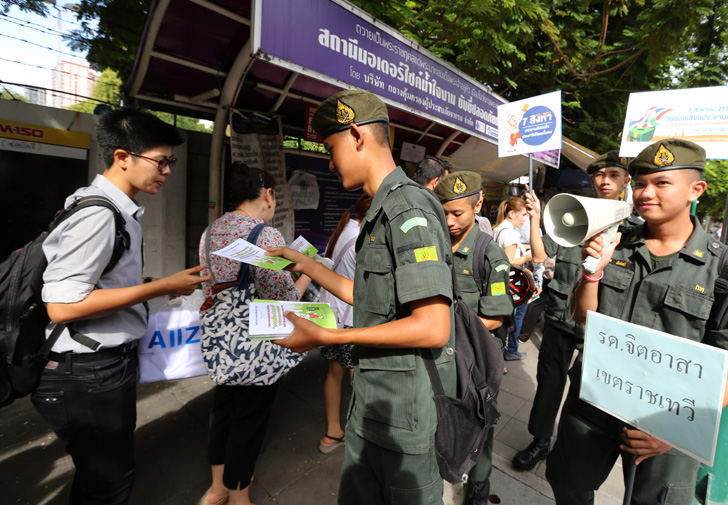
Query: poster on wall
x: 699, y: 115
x: 304, y: 190
x: 317, y: 224
x: 530, y: 125
x: 258, y: 143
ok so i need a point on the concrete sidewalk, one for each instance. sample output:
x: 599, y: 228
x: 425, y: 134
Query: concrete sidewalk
x: 171, y: 446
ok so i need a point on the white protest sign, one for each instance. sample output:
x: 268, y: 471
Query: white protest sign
x: 699, y: 115
x: 530, y: 126
x: 667, y: 386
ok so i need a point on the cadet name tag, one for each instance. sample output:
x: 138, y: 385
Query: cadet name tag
x: 426, y: 254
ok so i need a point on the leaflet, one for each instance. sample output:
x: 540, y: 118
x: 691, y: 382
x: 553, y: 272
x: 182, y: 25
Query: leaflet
x: 303, y: 246
x: 267, y: 321
x: 244, y: 251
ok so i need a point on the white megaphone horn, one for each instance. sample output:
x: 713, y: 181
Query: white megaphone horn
x: 569, y: 220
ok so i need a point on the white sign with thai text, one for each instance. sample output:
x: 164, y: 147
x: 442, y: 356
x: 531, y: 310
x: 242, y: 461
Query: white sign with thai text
x: 667, y: 386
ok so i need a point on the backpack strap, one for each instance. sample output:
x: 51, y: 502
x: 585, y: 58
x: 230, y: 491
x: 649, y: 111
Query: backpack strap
x: 481, y: 244
x: 721, y: 283
x: 122, y: 242
x: 431, y: 368
x: 243, y: 281
x: 345, y: 248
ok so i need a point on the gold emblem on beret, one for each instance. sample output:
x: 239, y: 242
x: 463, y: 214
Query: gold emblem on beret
x: 663, y: 157
x: 344, y: 113
x: 623, y: 161
x: 459, y: 187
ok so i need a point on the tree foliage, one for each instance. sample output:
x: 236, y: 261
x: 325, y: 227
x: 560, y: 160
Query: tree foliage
x: 113, y: 42
x: 6, y: 95
x: 595, y: 52
x: 106, y: 91
x: 713, y: 201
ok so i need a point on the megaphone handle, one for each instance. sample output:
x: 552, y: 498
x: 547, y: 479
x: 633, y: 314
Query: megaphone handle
x: 591, y: 264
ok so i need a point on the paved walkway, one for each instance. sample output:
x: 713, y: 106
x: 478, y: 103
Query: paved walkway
x: 171, y: 446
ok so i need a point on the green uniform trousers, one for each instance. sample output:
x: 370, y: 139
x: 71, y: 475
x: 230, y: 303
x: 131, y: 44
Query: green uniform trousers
x: 484, y: 467
x: 554, y: 359
x: 373, y: 475
x: 587, y: 448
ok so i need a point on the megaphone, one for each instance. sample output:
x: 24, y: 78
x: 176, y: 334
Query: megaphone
x: 569, y: 220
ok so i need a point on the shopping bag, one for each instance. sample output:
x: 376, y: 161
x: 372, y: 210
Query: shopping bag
x: 170, y: 349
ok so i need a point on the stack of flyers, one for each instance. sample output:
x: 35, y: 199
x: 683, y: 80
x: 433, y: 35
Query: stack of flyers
x: 267, y: 321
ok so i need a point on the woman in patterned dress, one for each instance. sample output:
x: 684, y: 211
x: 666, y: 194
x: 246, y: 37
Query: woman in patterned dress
x: 239, y: 415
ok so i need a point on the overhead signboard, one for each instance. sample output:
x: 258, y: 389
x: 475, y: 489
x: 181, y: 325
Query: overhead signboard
x: 35, y: 139
x: 667, y: 386
x: 699, y: 115
x: 338, y: 43
x: 550, y: 158
x: 530, y: 126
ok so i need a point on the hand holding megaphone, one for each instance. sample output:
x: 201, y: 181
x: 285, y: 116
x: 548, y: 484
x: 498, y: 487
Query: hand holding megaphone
x: 597, y: 251
x: 571, y: 220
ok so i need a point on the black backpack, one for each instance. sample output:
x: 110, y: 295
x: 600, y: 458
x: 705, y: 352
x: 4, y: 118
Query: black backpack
x: 23, y: 318
x: 463, y: 421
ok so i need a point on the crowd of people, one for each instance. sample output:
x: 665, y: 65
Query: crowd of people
x: 391, y: 288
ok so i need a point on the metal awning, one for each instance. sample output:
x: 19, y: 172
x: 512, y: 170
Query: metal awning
x: 195, y: 58
x: 186, y: 58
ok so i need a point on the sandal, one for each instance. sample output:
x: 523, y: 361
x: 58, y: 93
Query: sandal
x: 327, y: 448
x: 204, y: 501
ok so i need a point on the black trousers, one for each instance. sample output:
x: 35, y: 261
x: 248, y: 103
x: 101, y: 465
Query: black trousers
x: 91, y: 405
x: 238, y: 421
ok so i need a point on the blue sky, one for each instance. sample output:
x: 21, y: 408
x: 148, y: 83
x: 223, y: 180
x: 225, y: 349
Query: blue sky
x: 33, y: 29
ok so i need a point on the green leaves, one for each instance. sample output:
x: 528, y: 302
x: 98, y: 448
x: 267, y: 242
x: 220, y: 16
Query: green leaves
x: 595, y: 52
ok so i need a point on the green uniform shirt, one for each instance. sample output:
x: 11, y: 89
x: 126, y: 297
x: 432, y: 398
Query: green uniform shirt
x: 677, y: 297
x: 403, y: 254
x: 496, y: 300
x: 568, y: 263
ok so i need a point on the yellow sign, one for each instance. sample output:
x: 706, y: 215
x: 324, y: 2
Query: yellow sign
x: 43, y: 134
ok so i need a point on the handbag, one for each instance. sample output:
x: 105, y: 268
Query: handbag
x: 170, y: 349
x: 231, y: 358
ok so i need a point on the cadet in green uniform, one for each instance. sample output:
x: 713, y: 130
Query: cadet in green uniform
x: 561, y: 336
x: 461, y: 199
x: 402, y: 293
x: 661, y: 275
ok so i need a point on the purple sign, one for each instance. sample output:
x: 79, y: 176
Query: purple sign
x: 334, y: 42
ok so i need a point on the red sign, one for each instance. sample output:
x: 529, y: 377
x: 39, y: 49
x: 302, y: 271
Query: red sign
x: 309, y: 134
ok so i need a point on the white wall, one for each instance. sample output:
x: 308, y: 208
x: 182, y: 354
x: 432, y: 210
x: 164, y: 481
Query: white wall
x: 164, y: 221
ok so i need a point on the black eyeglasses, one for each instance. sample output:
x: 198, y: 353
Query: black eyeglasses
x: 166, y: 162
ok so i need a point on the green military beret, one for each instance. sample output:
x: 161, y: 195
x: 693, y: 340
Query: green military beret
x: 458, y: 185
x: 610, y: 159
x: 669, y: 154
x: 337, y: 112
